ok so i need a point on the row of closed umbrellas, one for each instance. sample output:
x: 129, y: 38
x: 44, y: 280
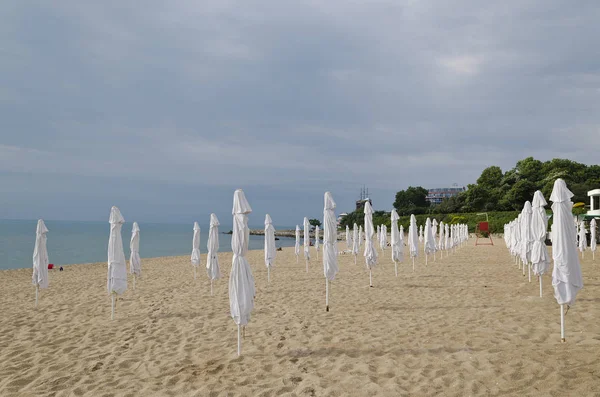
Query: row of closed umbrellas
x: 525, y: 239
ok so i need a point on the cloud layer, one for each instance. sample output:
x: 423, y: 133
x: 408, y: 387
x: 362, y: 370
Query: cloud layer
x: 166, y: 108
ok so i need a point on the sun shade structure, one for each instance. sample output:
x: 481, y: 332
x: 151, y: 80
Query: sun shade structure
x: 330, y: 265
x: 212, y: 259
x: 420, y: 233
x: 370, y: 252
x: 117, y: 268
x: 413, y: 239
x: 196, y: 248
x: 441, y: 246
x: 566, y: 275
x: 241, y: 281
x: 582, y: 238
x: 526, y: 237
x: 40, y: 259
x: 306, y: 242
x: 355, y: 242
x: 539, y: 226
x: 135, y: 263
x: 317, y: 240
x: 593, y: 238
x: 297, y: 246
x: 360, y: 236
x: 434, y: 231
x: 396, y: 250
x: 348, y: 243
x: 429, y: 245
x: 270, y: 249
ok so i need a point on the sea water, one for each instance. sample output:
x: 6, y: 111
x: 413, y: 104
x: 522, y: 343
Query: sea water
x: 87, y: 242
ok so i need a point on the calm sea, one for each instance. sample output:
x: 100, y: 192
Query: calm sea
x: 87, y: 242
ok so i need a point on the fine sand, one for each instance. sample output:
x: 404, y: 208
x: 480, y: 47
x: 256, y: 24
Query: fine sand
x: 469, y: 324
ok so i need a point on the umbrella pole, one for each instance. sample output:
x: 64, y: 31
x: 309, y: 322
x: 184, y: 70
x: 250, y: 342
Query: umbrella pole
x: 523, y: 267
x: 413, y: 263
x: 268, y: 275
x: 112, y: 299
x: 396, y: 267
x: 529, y: 270
x: 540, y: 277
x: 370, y: 278
x: 562, y: 324
x: 37, y: 289
x: 307, y: 266
x: 426, y: 259
x: 211, y: 287
x: 326, y: 294
x: 239, y: 339
x: 434, y: 256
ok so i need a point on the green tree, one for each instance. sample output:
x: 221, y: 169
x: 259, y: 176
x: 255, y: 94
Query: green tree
x: 314, y: 222
x: 411, y: 201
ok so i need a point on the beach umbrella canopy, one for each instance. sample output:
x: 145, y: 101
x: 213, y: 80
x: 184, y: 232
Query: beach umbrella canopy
x: 434, y: 231
x: 348, y: 243
x: 135, y: 263
x: 117, y: 268
x: 429, y: 246
x: 383, y: 237
x: 241, y: 281
x: 379, y: 234
x: 360, y: 236
x: 413, y: 237
x: 297, y: 246
x: 355, y: 240
x: 395, y: 240
x: 566, y: 275
x: 539, y: 227
x: 330, y: 265
x: 401, y: 244
x: 582, y: 237
x: 526, y: 236
x: 593, y: 235
x: 421, y: 233
x: 270, y: 249
x: 196, y: 247
x: 441, y: 238
x: 306, y: 238
x: 40, y: 257
x: 317, y: 238
x: 447, y: 237
x: 370, y: 253
x: 212, y: 260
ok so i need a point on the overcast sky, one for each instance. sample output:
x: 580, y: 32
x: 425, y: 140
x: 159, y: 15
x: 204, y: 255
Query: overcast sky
x: 163, y: 108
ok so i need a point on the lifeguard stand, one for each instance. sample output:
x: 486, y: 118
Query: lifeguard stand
x: 483, y: 227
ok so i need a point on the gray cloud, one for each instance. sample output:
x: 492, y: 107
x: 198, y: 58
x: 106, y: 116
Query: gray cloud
x: 168, y: 101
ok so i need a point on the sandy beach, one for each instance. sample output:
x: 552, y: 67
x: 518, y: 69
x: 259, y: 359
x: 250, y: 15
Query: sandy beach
x: 469, y: 324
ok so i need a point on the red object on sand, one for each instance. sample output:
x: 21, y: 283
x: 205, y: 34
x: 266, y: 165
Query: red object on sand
x: 50, y: 266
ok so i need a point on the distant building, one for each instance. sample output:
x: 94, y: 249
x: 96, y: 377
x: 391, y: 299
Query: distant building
x: 360, y: 204
x: 437, y: 195
x: 594, y: 196
x: 340, y: 217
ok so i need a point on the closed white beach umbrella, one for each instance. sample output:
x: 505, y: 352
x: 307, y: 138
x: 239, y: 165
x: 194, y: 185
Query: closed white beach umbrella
x: 306, y: 241
x: 135, y: 263
x: 396, y: 251
x: 317, y: 240
x: 355, y: 242
x: 378, y: 236
x: 117, y: 268
x: 413, y: 239
x: 212, y: 258
x: 241, y: 281
x: 429, y: 246
x: 566, y: 275
x: 441, y: 238
x: 196, y: 248
x: 526, y: 236
x: 593, y: 238
x: 360, y: 236
x: 420, y: 233
x: 348, y: 243
x: 582, y: 238
x: 539, y: 226
x: 297, y: 246
x: 383, y: 242
x: 370, y: 252
x: 270, y: 249
x: 434, y: 231
x: 40, y: 259
x: 330, y: 266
